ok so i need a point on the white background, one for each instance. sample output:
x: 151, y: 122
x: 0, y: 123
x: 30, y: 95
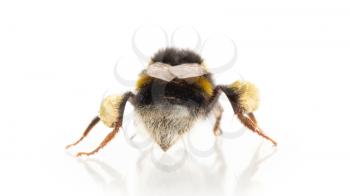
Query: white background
x: 57, y: 61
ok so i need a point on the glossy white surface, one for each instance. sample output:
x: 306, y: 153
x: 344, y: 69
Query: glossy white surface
x: 57, y: 61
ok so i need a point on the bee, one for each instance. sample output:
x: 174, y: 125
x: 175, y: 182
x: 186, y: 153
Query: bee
x: 173, y: 92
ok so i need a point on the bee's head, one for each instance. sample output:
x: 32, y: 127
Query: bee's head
x: 175, y: 57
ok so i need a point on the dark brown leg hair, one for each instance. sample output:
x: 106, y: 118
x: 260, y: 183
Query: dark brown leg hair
x: 115, y: 130
x: 217, y: 130
x: 86, y: 132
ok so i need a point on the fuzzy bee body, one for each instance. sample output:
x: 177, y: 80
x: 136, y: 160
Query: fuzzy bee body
x: 165, y: 123
x: 171, y: 94
x: 169, y: 109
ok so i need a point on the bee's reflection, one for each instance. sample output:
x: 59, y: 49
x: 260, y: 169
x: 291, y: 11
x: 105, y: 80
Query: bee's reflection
x: 100, y: 172
x: 179, y: 173
x: 245, y: 182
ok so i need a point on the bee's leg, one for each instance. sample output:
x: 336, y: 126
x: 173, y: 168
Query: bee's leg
x: 214, y: 106
x: 86, y: 132
x: 213, y: 100
x: 117, y: 125
x: 252, y: 117
x: 248, y: 121
x: 250, y: 124
x: 218, y: 114
x: 107, y: 139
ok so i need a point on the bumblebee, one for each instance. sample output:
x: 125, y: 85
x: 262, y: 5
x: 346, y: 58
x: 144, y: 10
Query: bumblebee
x: 173, y: 92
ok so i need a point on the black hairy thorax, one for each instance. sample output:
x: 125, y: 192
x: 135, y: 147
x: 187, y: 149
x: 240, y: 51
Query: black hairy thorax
x: 183, y: 92
x: 178, y: 92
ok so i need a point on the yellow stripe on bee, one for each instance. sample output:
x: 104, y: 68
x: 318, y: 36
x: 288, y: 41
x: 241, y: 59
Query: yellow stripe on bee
x: 206, y: 86
x: 142, y: 81
x: 202, y: 82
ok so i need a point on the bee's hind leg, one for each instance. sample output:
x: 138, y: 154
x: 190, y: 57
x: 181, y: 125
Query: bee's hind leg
x: 250, y: 124
x: 107, y: 139
x: 252, y: 117
x: 86, y: 132
x: 116, y: 126
x: 247, y: 119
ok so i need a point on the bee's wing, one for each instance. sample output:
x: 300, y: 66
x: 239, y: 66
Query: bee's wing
x: 188, y: 70
x: 160, y: 71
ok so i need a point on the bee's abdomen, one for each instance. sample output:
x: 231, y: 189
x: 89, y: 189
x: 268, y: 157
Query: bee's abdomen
x: 166, y: 123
